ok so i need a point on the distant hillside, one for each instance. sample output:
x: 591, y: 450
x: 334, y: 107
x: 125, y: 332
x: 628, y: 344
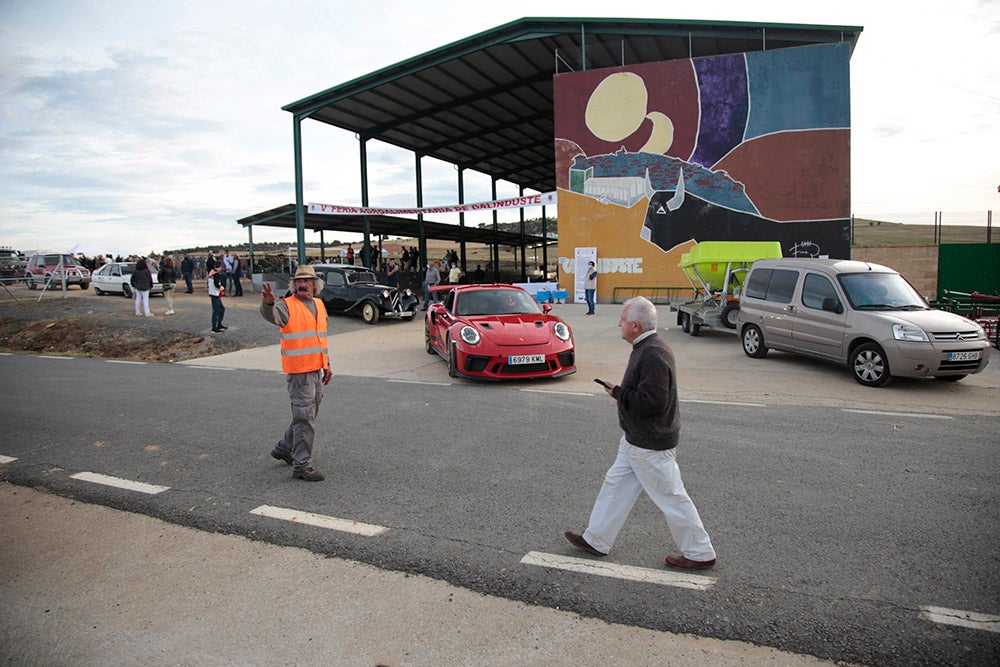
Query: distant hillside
x: 869, y: 232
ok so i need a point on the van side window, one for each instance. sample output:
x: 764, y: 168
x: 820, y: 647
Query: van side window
x: 757, y: 283
x: 335, y: 279
x: 782, y: 285
x: 815, y: 289
x: 772, y: 284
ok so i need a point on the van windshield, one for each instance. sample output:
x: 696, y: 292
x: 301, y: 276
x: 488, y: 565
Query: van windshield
x: 881, y: 291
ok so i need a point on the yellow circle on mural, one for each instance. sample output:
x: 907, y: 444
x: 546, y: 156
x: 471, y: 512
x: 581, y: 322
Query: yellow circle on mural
x: 617, y: 106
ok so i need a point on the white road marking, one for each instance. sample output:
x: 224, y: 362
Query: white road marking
x: 435, y: 384
x: 211, y: 368
x: 563, y: 393
x: 123, y: 361
x: 120, y: 483
x: 333, y: 523
x: 747, y: 405
x: 617, y: 571
x: 49, y: 356
x: 6, y: 354
x: 965, y: 619
x: 896, y: 414
x: 6, y: 459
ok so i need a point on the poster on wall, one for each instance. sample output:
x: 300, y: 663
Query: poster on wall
x: 583, y: 255
x: 654, y: 157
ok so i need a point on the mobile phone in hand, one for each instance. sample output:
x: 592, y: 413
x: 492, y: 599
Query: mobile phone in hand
x: 601, y: 382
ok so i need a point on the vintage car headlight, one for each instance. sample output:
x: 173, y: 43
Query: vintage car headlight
x: 407, y: 292
x: 562, y: 331
x: 385, y: 294
x: 470, y: 335
x: 908, y: 332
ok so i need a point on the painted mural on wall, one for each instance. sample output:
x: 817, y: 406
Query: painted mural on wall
x: 753, y: 146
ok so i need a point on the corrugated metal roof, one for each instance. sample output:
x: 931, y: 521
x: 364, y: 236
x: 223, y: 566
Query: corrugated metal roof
x: 387, y: 225
x: 485, y: 102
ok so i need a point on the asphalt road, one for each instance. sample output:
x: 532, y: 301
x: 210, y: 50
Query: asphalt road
x: 838, y: 522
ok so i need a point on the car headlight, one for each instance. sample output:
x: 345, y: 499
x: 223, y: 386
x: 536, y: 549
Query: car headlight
x: 407, y: 292
x: 385, y: 294
x: 562, y: 331
x: 470, y: 335
x: 909, y: 332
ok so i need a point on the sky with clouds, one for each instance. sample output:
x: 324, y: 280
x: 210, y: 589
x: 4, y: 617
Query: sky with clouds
x: 138, y: 126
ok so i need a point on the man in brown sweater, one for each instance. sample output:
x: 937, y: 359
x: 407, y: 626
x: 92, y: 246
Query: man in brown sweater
x: 650, y: 421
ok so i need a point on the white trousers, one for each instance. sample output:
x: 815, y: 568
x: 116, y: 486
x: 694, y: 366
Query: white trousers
x: 141, y: 302
x: 636, y: 469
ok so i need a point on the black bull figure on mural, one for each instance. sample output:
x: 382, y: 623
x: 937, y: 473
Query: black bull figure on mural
x: 672, y: 219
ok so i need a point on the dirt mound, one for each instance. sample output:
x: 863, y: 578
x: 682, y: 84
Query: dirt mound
x: 83, y: 337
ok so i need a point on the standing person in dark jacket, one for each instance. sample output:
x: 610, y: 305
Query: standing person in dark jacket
x: 187, y: 270
x: 216, y: 288
x: 168, y: 278
x: 236, y: 274
x: 142, y: 282
x: 649, y: 417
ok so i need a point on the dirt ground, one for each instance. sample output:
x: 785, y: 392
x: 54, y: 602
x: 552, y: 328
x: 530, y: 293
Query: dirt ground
x: 85, y: 324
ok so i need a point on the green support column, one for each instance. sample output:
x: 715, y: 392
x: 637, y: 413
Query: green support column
x: 496, y: 244
x: 524, y: 259
x: 421, y: 240
x: 461, y: 219
x: 250, y: 245
x: 300, y: 211
x: 366, y: 248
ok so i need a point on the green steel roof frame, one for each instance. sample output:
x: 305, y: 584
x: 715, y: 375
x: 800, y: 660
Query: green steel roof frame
x: 486, y: 102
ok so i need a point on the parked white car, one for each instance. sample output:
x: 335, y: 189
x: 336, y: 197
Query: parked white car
x: 114, y: 278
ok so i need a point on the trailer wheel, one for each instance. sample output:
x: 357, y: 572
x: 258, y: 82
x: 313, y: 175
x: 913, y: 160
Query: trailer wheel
x: 686, y: 322
x: 730, y: 315
x: 695, y: 329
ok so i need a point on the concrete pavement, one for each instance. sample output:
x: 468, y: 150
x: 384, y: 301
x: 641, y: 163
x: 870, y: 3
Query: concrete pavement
x: 88, y: 585
x: 84, y: 584
x: 711, y: 367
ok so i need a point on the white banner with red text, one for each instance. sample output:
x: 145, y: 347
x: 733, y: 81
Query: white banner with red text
x: 544, y: 199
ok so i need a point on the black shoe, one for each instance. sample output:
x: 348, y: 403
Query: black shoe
x: 309, y: 474
x: 216, y: 330
x: 222, y: 327
x: 287, y: 458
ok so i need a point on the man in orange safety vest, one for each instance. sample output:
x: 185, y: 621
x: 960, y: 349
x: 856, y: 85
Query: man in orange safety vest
x: 306, y: 361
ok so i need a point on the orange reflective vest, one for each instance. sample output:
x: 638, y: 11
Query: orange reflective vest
x: 303, y: 338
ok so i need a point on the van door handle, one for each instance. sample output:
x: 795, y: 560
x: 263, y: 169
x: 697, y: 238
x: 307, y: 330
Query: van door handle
x: 790, y: 309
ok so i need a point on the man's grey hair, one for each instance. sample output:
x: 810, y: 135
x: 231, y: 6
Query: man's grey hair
x: 640, y: 309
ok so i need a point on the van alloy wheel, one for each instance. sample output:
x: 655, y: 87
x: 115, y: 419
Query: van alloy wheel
x: 869, y: 366
x: 753, y: 342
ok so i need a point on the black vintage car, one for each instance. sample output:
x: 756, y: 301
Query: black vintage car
x: 355, y: 289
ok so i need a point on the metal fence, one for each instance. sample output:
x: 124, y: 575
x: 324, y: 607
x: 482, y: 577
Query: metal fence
x: 933, y: 228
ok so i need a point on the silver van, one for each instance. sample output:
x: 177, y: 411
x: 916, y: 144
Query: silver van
x: 865, y: 316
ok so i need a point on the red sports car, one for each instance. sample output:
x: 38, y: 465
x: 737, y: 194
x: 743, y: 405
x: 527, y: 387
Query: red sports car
x: 497, y: 332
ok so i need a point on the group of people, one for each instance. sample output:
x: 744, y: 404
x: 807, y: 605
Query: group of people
x: 223, y: 273
x: 230, y: 269
x: 436, y: 274
x: 646, y: 401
